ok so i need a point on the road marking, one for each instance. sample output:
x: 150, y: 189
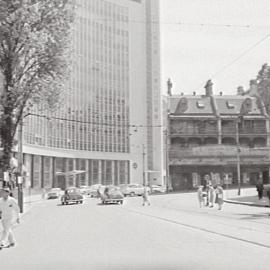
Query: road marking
x: 199, y: 228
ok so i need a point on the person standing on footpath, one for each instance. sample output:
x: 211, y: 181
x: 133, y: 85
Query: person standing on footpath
x: 211, y: 194
x: 219, y: 196
x: 146, y: 196
x: 260, y: 188
x: 200, y: 196
x: 9, y: 210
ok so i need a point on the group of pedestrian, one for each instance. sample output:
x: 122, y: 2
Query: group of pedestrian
x: 9, y: 214
x: 208, y: 195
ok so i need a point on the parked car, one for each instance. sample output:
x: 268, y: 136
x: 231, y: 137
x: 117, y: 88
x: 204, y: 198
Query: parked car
x: 85, y: 190
x: 132, y: 189
x: 158, y: 189
x: 111, y: 194
x: 72, y: 195
x: 54, y: 193
x: 94, y: 190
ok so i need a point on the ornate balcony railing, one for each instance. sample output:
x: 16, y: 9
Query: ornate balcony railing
x: 217, y: 151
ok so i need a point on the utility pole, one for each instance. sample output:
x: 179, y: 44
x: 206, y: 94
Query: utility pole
x: 20, y: 165
x: 167, y: 132
x: 143, y: 149
x: 238, y: 156
x: 167, y: 158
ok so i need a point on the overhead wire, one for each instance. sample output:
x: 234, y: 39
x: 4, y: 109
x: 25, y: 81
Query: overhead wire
x: 244, y: 53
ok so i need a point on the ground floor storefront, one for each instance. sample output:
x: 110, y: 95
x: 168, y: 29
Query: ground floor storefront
x: 188, y: 177
x: 47, y: 172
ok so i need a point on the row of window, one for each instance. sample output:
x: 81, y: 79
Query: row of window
x: 49, y: 172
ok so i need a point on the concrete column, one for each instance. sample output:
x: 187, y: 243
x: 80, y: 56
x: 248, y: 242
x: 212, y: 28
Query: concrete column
x: 99, y: 172
x: 42, y: 171
x: 86, y: 172
x: 113, y: 178
x: 74, y: 168
x: 219, y: 126
x: 267, y: 126
x: 53, y: 172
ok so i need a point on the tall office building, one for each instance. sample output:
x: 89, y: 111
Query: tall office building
x: 108, y: 127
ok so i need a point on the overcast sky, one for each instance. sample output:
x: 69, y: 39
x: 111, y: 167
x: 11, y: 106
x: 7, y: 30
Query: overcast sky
x: 192, y: 54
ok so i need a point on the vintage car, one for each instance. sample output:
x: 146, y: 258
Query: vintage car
x: 157, y: 189
x: 132, y: 189
x: 72, y: 195
x: 53, y: 193
x: 95, y: 190
x: 112, y: 194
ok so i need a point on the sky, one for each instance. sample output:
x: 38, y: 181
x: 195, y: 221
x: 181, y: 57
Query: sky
x: 203, y: 47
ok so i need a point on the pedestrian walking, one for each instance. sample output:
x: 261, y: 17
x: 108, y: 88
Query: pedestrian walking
x: 146, y: 196
x: 200, y: 196
x: 268, y: 194
x: 211, y: 195
x: 9, y: 210
x: 205, y: 195
x: 260, y: 188
x: 219, y: 196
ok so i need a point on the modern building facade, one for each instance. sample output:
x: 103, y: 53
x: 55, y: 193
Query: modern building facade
x: 108, y: 127
x: 209, y: 133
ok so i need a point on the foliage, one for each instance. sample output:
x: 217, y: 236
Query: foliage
x: 34, y: 59
x: 263, y: 85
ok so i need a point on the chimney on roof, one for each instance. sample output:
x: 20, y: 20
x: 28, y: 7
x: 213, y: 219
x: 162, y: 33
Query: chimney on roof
x: 253, y: 88
x: 240, y: 91
x: 182, y: 93
x: 194, y: 93
x: 209, y: 88
x: 220, y: 93
x: 169, y: 87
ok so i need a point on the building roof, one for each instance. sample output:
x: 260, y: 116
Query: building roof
x: 191, y: 105
x: 215, y: 105
x: 230, y: 104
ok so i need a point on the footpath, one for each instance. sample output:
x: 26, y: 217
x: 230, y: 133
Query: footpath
x: 248, y: 196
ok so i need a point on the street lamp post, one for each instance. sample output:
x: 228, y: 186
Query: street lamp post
x: 238, y: 155
x: 143, y: 154
x: 167, y: 135
x: 20, y: 164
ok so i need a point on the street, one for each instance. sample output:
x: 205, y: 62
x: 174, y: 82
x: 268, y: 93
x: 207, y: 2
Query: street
x: 172, y: 233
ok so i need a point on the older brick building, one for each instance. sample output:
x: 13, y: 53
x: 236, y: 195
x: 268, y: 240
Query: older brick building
x: 206, y: 132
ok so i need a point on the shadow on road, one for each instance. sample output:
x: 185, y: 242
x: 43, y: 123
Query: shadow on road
x: 254, y: 216
x: 107, y: 204
x: 59, y: 204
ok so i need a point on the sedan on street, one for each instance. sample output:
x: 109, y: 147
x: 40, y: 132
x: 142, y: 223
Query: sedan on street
x: 132, y: 189
x: 72, y: 195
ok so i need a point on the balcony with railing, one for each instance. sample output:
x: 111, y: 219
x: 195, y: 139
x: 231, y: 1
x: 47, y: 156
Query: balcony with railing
x: 176, y: 152
x: 193, y: 128
x: 245, y: 128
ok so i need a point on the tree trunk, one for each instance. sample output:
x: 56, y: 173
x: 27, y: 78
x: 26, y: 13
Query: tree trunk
x: 7, y: 124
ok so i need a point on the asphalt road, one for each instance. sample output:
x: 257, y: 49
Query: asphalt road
x: 172, y: 233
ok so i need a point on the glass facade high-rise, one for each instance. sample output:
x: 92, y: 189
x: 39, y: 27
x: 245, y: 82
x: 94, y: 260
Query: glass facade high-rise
x: 110, y: 110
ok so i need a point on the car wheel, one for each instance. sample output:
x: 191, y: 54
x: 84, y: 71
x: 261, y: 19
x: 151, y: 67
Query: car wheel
x: 121, y: 202
x: 63, y: 203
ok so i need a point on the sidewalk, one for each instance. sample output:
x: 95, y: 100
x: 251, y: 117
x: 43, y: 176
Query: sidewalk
x: 249, y: 197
